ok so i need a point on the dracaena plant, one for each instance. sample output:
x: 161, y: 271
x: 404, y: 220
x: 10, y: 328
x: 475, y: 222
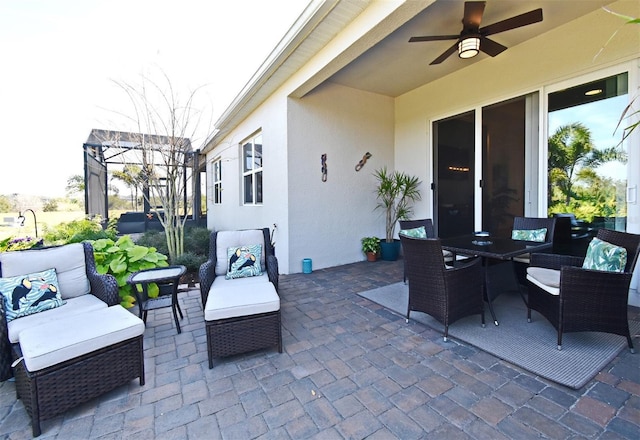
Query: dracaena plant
x: 396, y: 192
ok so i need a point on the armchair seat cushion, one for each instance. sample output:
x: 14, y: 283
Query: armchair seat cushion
x: 223, y: 283
x: 74, y: 306
x: 547, y: 279
x: 241, y: 300
x: 55, y: 342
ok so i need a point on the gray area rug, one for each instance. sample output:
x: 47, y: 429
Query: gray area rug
x: 531, y: 346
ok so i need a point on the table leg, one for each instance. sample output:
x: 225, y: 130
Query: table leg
x: 487, y: 294
x: 175, y: 306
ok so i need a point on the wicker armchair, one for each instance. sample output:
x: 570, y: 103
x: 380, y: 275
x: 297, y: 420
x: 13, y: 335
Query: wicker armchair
x: 447, y: 294
x: 207, y: 271
x: 241, y: 315
x: 521, y: 262
x: 579, y: 300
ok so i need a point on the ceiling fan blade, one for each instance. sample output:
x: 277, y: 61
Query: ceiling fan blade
x: 473, y: 14
x: 433, y: 38
x: 490, y: 47
x: 525, y: 19
x: 446, y: 54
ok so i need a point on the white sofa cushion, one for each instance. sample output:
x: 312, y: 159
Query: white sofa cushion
x: 58, y: 341
x: 547, y: 279
x: 73, y: 306
x: 241, y: 300
x: 68, y: 261
x: 227, y: 239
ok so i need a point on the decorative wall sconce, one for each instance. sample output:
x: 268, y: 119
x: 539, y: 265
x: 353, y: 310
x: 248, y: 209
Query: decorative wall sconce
x: 363, y: 161
x: 323, y: 161
x: 21, y: 219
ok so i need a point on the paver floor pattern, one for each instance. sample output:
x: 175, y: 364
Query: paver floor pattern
x: 350, y: 369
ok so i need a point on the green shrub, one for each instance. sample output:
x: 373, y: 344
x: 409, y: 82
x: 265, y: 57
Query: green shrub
x: 123, y: 257
x: 191, y: 261
x: 196, y: 240
x: 77, y: 231
x: 155, y: 239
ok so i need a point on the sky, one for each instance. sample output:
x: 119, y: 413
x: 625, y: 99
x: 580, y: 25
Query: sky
x: 62, y: 61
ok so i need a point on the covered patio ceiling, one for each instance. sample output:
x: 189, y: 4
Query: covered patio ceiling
x: 394, y: 66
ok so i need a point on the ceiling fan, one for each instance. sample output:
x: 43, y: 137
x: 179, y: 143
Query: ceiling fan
x: 473, y: 38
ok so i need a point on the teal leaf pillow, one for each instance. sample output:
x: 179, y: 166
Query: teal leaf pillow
x: 537, y: 235
x: 602, y: 255
x: 32, y: 293
x: 244, y: 261
x: 419, y: 232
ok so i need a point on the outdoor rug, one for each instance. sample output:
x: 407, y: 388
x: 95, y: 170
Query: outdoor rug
x: 531, y: 346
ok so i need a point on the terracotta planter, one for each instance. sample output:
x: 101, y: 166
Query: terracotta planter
x: 372, y: 256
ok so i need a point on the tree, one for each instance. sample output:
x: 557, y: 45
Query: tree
x: 131, y: 177
x: 165, y: 123
x: 75, y: 184
x: 570, y: 150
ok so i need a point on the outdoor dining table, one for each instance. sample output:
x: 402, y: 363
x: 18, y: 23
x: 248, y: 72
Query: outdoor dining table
x: 489, y: 248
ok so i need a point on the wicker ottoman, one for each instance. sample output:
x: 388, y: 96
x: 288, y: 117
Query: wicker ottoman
x: 67, y: 362
x: 242, y: 319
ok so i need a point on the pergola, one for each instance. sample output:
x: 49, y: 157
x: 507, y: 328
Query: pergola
x: 106, y: 147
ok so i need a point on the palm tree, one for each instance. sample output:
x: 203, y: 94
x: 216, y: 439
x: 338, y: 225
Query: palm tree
x: 570, y: 150
x: 130, y: 176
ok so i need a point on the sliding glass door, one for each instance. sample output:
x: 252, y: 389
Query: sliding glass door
x: 487, y: 190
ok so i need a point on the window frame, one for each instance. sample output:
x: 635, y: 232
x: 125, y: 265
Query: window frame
x: 216, y: 184
x: 252, y: 167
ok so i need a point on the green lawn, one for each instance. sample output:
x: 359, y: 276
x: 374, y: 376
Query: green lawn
x: 45, y: 219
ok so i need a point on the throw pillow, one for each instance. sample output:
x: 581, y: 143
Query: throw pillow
x: 244, y: 261
x: 602, y: 255
x: 32, y: 293
x: 419, y: 232
x: 537, y: 235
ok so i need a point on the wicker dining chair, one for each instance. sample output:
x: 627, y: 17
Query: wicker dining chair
x: 447, y: 294
x: 574, y: 299
x: 521, y: 262
x: 427, y: 223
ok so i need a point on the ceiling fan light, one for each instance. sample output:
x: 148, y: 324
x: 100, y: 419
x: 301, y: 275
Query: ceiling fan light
x: 469, y: 47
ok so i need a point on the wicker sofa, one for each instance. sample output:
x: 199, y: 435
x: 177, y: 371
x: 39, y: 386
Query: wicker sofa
x: 67, y: 355
x: 241, y: 314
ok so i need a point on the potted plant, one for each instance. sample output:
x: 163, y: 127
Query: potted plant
x: 395, y: 192
x: 371, y: 247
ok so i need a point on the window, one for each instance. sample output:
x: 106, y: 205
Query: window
x: 217, y: 182
x: 252, y: 170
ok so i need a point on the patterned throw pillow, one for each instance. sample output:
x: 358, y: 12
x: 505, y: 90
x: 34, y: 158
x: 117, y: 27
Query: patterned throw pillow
x: 537, y: 235
x: 28, y: 294
x: 243, y: 261
x: 419, y: 232
x: 602, y: 255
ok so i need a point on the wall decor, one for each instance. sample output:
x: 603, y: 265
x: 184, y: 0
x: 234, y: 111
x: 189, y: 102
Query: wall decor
x: 363, y: 161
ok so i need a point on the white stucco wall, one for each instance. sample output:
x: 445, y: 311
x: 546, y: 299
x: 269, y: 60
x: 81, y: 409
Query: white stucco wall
x: 232, y: 213
x: 328, y: 219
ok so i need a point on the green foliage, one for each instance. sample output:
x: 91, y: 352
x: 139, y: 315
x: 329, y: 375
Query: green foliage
x: 395, y: 192
x: 123, y: 257
x: 190, y: 260
x: 20, y: 243
x: 77, y: 231
x: 370, y: 244
x: 196, y: 241
x: 574, y: 185
x: 155, y: 239
x: 50, y: 205
x: 5, y: 204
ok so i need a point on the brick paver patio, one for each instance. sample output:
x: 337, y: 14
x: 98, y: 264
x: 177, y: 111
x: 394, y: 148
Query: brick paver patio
x: 350, y: 369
